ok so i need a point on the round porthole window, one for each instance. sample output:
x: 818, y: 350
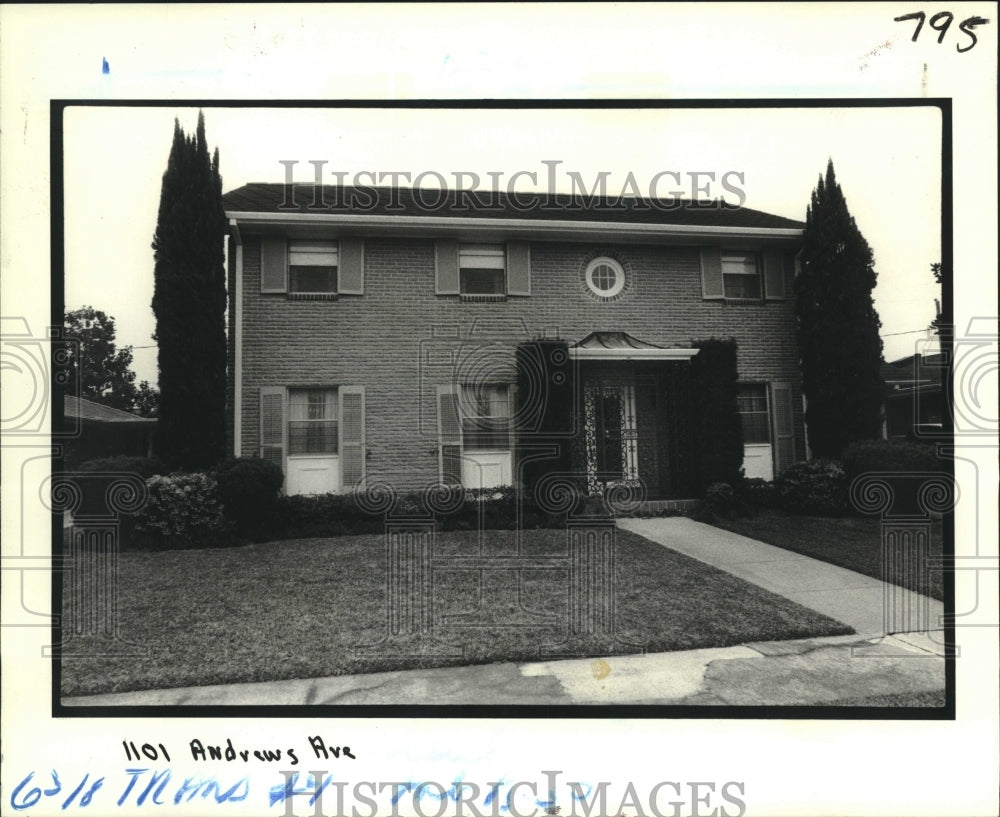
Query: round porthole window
x: 605, y: 277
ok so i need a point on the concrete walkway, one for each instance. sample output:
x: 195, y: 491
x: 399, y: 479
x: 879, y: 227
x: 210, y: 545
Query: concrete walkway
x: 808, y: 672
x: 872, y: 607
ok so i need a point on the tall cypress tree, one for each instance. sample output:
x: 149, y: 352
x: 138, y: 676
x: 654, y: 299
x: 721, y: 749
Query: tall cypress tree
x: 716, y: 415
x: 189, y: 301
x: 838, y: 331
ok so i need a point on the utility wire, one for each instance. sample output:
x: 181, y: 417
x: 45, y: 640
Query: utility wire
x: 911, y: 332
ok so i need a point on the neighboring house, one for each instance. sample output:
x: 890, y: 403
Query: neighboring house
x: 374, y: 337
x: 914, y: 401
x: 105, y: 432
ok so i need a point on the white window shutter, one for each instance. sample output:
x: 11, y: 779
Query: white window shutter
x: 272, y: 425
x: 446, y: 267
x: 711, y: 274
x: 518, y: 268
x: 273, y: 264
x: 449, y: 435
x: 352, y: 437
x: 774, y: 275
x: 784, y: 426
x: 351, y: 274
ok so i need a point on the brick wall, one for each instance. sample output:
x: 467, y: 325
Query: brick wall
x: 400, y: 340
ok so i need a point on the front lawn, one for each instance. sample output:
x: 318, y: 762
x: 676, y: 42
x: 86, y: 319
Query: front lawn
x: 851, y: 542
x: 299, y: 609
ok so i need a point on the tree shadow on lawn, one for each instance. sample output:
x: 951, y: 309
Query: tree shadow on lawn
x: 308, y: 608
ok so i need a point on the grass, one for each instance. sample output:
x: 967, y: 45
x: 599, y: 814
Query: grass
x: 851, y: 542
x: 297, y: 609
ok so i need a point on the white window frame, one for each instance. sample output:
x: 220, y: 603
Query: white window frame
x: 617, y: 268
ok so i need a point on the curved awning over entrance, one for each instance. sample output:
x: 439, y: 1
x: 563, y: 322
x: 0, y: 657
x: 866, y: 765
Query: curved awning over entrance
x: 622, y: 346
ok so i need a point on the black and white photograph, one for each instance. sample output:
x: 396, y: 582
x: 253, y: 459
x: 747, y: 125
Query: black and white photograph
x: 570, y: 431
x: 371, y: 440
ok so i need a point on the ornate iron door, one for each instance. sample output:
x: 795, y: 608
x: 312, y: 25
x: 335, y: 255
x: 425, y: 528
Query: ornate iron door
x: 612, y: 439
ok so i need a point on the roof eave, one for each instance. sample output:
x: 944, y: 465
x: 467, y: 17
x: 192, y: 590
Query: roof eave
x: 407, y: 225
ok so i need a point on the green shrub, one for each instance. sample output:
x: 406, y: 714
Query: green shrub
x: 324, y: 515
x: 488, y: 508
x: 182, y: 511
x: 546, y: 392
x: 716, y: 427
x: 248, y: 489
x: 867, y: 456
x: 721, y: 501
x: 757, y: 493
x: 815, y: 487
x: 343, y: 515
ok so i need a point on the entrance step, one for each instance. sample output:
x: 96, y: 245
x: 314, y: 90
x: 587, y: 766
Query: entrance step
x: 654, y: 507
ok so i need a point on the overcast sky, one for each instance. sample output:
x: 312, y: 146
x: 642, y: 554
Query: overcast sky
x: 887, y: 162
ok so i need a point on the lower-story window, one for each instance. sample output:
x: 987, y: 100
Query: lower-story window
x: 767, y: 416
x: 316, y: 435
x: 752, y: 401
x: 474, y: 428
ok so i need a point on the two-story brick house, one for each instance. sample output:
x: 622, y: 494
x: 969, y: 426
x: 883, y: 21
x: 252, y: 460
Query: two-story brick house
x: 374, y: 332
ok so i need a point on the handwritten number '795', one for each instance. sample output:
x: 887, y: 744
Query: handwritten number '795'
x: 940, y: 22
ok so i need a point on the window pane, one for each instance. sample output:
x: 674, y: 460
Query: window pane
x: 752, y: 400
x: 742, y: 286
x: 312, y: 279
x: 481, y: 256
x: 740, y: 263
x: 604, y: 277
x: 486, y: 417
x: 482, y: 282
x: 756, y: 428
x: 312, y: 404
x: 312, y: 259
x: 312, y: 437
x: 313, y: 253
x: 752, y: 397
x: 312, y: 425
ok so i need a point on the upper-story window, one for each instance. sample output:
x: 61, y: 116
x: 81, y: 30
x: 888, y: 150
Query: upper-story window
x: 605, y: 277
x: 482, y: 269
x: 312, y: 266
x: 482, y: 272
x: 741, y: 276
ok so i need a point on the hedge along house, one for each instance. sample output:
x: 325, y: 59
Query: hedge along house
x: 413, y: 338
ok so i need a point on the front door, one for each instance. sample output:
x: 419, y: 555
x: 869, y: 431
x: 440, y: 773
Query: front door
x: 611, y: 435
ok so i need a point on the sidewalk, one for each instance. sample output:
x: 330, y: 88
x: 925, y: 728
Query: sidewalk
x: 857, y: 600
x: 807, y: 672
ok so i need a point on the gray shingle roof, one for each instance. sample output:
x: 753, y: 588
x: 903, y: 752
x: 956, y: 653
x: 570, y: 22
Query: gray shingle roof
x: 384, y: 201
x: 95, y: 412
